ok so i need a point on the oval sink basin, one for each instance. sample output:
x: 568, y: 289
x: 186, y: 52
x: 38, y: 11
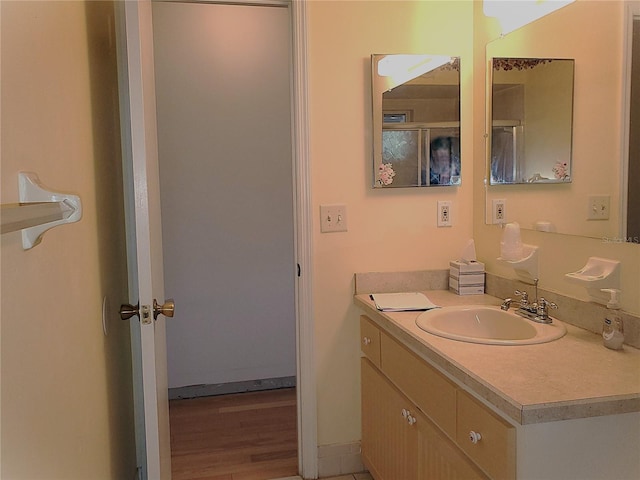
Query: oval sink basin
x: 488, y: 325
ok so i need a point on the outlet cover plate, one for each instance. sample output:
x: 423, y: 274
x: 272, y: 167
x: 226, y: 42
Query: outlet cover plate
x: 444, y: 213
x: 498, y: 211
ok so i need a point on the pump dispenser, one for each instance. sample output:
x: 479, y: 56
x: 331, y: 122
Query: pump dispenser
x: 612, y: 330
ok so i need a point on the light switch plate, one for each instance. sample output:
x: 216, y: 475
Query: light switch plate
x: 333, y: 218
x: 598, y: 207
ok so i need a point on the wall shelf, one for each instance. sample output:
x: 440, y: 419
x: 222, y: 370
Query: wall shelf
x: 38, y: 210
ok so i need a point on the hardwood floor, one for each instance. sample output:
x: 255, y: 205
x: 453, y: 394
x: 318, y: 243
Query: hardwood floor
x: 244, y: 436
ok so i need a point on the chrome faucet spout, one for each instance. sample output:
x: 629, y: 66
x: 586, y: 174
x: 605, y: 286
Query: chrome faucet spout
x: 506, y: 304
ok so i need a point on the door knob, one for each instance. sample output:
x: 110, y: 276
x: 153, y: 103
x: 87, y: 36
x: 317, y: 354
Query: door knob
x: 167, y: 308
x: 127, y: 311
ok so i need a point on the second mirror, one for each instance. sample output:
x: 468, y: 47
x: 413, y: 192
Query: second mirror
x: 532, y: 117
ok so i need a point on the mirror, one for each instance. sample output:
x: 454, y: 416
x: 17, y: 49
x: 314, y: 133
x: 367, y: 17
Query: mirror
x: 631, y: 206
x: 532, y: 113
x: 592, y: 203
x: 416, y: 120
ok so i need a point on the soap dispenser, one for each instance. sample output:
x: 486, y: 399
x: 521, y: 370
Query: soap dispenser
x: 612, y: 330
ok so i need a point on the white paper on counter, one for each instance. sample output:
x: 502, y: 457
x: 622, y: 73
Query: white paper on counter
x: 398, y: 302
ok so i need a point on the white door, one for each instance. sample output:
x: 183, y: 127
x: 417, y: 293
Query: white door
x: 144, y: 242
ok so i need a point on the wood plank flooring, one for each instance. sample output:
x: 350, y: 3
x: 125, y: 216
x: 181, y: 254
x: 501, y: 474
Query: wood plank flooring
x: 244, y: 436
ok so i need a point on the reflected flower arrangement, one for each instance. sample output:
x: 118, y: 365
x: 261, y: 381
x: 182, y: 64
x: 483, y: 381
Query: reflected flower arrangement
x: 561, y: 170
x: 518, y: 63
x: 385, y: 174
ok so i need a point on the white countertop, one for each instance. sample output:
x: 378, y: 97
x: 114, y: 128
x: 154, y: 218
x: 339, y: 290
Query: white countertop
x: 573, y: 377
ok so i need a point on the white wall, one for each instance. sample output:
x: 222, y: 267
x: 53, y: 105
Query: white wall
x: 224, y: 132
x: 66, y: 387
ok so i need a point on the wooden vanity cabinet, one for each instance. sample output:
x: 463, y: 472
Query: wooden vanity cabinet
x: 441, y: 442
x: 414, y: 420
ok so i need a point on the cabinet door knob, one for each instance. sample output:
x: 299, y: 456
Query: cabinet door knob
x: 405, y: 413
x: 411, y: 420
x: 474, y: 437
x: 366, y: 340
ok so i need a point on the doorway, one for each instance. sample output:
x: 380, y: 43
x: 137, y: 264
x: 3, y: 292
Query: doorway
x: 225, y: 157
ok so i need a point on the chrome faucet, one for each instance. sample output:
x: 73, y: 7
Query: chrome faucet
x: 538, y: 310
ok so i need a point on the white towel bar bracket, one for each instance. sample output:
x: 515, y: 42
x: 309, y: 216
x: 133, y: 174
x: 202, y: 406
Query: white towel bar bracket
x: 39, y: 210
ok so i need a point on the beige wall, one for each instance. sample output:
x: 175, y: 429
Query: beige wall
x: 66, y: 394
x: 389, y: 230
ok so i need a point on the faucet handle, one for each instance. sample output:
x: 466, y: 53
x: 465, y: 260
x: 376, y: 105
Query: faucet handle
x: 544, y: 306
x: 524, y: 295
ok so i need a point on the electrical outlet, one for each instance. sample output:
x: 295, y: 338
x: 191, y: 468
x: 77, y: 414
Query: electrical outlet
x: 598, y: 207
x: 444, y: 213
x: 333, y: 218
x: 498, y: 210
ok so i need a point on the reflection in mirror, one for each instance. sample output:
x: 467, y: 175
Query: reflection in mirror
x: 532, y: 112
x: 416, y: 120
x: 632, y: 205
x: 592, y: 205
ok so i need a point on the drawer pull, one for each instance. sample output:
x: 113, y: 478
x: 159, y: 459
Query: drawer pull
x: 366, y: 340
x: 474, y: 437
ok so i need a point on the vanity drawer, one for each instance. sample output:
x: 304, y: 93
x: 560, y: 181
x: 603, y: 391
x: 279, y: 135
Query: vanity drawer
x: 495, y: 451
x: 370, y: 340
x: 423, y: 384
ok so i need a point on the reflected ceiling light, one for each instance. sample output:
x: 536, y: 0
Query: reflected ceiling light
x: 513, y: 14
x: 402, y: 68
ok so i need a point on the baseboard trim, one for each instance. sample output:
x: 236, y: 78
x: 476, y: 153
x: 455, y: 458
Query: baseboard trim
x: 207, y: 390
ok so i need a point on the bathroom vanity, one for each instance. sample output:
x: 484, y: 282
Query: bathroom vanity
x: 435, y: 408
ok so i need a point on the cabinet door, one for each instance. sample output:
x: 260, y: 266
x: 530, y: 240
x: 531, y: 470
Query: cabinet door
x: 389, y: 441
x: 438, y: 457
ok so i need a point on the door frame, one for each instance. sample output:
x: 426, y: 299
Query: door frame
x: 303, y: 224
x: 303, y: 235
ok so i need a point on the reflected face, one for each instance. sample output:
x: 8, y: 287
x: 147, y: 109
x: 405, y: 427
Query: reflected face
x: 441, y: 157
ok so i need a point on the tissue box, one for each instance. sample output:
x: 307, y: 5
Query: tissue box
x: 466, y: 278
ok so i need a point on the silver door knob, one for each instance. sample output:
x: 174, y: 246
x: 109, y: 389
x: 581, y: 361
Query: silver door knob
x: 167, y: 309
x: 127, y: 311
